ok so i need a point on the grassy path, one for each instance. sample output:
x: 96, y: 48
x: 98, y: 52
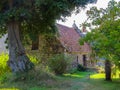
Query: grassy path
x: 78, y: 81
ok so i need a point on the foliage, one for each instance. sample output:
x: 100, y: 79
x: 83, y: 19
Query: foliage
x: 40, y: 76
x: 37, y: 15
x: 37, y: 74
x: 80, y: 68
x: 33, y: 59
x: 104, y: 37
x: 50, y: 44
x: 71, y: 69
x: 40, y: 72
x: 58, y: 63
x: 3, y: 63
x: 100, y: 69
x: 71, y: 65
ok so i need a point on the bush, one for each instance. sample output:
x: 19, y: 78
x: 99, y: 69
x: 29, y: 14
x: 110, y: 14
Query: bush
x: 72, y: 70
x: 58, y: 63
x: 37, y: 75
x: 3, y: 63
x: 100, y: 70
x: 33, y: 59
x: 81, y: 68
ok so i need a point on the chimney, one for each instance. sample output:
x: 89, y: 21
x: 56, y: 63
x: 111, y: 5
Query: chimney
x: 84, y: 29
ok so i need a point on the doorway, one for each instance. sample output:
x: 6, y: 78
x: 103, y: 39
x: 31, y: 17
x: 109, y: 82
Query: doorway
x: 84, y: 61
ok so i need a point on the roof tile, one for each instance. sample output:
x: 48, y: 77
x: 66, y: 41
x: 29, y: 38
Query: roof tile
x: 69, y: 38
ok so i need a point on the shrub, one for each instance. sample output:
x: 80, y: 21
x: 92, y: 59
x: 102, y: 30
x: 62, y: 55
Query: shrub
x: 3, y: 63
x: 72, y: 70
x: 37, y: 75
x: 80, y: 68
x: 33, y: 59
x: 100, y: 69
x: 58, y: 63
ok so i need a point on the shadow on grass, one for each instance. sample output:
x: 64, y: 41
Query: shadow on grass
x: 74, y: 81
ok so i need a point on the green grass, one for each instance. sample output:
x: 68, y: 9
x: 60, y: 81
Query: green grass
x: 75, y: 81
x: 40, y: 80
x: 97, y: 76
x: 9, y: 89
x: 79, y: 74
x: 102, y: 75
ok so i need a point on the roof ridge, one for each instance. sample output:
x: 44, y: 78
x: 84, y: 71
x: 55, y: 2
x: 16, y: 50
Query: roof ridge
x: 64, y: 26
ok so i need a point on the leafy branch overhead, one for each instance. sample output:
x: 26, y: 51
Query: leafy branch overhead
x: 38, y: 16
x: 104, y: 37
x: 50, y: 9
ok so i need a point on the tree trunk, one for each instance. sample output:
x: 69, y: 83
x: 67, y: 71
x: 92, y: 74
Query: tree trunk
x: 18, y: 60
x: 107, y: 70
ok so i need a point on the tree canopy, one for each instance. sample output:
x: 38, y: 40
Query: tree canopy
x: 104, y: 37
x: 38, y: 14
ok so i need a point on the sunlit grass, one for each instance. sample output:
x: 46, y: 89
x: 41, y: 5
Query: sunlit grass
x: 97, y: 76
x: 9, y: 89
x: 90, y: 75
x: 102, y: 75
x: 75, y: 81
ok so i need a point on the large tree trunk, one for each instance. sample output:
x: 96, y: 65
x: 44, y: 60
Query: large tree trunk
x: 107, y: 70
x: 18, y: 61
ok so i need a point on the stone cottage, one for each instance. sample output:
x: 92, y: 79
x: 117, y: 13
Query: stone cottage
x: 69, y: 38
x: 67, y: 42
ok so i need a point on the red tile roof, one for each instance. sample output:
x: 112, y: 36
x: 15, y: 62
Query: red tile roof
x: 69, y: 38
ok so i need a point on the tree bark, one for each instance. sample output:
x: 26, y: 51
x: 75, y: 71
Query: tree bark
x: 107, y: 70
x: 18, y: 60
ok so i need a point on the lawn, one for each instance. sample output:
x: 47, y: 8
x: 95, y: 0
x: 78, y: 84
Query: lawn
x: 76, y: 81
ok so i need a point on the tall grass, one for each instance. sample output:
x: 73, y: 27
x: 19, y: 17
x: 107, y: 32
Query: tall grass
x: 38, y: 73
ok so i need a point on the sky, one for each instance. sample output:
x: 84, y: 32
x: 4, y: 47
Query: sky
x: 81, y: 17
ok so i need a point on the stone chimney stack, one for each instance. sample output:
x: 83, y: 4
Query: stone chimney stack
x: 84, y: 29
